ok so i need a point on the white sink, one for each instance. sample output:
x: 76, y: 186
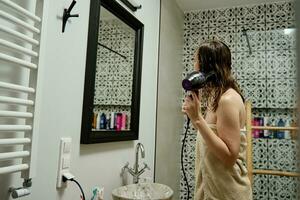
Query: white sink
x: 143, y: 191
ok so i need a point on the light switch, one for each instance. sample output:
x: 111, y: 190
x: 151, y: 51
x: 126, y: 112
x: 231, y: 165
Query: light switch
x: 66, y: 162
x: 67, y: 146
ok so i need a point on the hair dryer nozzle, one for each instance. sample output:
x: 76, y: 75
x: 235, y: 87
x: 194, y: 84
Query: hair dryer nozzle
x: 194, y: 81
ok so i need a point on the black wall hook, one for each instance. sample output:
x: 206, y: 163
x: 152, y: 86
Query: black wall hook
x: 67, y: 15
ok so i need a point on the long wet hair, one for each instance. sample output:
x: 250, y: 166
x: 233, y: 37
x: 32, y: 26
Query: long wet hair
x: 215, y: 56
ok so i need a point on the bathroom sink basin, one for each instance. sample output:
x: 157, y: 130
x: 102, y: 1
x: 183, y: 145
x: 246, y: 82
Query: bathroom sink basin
x: 143, y: 191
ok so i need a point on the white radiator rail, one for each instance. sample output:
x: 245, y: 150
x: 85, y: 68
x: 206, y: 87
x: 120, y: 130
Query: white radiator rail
x: 15, y: 128
x: 18, y: 101
x: 18, y: 22
x: 20, y: 10
x: 18, y: 48
x: 15, y: 141
x: 16, y: 114
x: 19, y: 35
x: 15, y: 87
x: 13, y: 168
x: 17, y: 61
x: 13, y: 155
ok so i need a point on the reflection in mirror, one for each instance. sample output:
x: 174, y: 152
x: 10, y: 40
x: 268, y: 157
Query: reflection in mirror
x: 111, y: 103
x: 114, y: 74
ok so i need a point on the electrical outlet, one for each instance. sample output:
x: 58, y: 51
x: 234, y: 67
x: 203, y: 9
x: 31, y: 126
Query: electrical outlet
x: 64, y: 162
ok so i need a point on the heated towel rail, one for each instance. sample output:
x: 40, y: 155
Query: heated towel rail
x: 20, y: 33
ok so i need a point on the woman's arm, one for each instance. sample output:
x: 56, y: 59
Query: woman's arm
x: 225, y: 145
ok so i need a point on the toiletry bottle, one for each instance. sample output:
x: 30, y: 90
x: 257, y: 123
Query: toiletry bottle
x: 115, y: 121
x: 123, y: 126
x: 102, y: 121
x: 112, y: 120
x: 98, y: 121
x: 280, y: 133
x: 266, y: 132
x: 260, y: 123
x: 119, y: 121
x: 287, y: 133
x: 108, y: 122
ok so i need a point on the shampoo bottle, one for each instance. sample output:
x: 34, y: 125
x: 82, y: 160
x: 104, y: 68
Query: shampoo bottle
x: 280, y: 133
x: 103, y: 121
x: 98, y: 121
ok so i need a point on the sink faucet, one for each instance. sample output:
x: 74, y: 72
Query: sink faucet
x: 135, y: 172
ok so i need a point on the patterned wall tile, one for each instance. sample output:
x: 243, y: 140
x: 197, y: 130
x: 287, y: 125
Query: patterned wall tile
x: 225, y: 34
x: 281, y: 64
x: 282, y: 188
x: 246, y: 15
x: 254, y: 90
x: 183, y: 195
x: 278, y: 36
x: 122, y: 91
x: 260, y: 187
x: 260, y: 153
x: 251, y: 66
x: 280, y: 11
x: 196, y: 19
x: 189, y: 149
x: 221, y: 17
x: 256, y: 34
x: 189, y: 168
x: 194, y: 38
x: 282, y: 154
x: 286, y: 114
x: 281, y: 93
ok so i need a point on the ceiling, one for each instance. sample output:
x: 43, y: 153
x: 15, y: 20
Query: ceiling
x: 187, y: 5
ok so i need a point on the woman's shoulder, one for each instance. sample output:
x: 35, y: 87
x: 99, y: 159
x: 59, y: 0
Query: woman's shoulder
x: 231, y: 97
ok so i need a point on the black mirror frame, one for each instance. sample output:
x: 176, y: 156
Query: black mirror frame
x: 87, y: 135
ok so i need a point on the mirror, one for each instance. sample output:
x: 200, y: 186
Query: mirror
x: 113, y: 74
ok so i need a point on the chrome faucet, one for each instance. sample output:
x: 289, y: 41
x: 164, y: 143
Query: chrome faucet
x: 135, y: 172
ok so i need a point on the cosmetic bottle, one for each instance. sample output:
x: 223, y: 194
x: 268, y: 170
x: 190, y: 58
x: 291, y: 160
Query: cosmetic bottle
x: 112, y: 120
x: 123, y: 125
x: 98, y: 121
x: 280, y: 133
x: 287, y: 134
x: 266, y: 132
x: 107, y: 122
x: 103, y: 121
x: 119, y: 121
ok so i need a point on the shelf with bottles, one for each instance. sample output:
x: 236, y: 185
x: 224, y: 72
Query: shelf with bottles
x: 281, y: 128
x: 262, y: 128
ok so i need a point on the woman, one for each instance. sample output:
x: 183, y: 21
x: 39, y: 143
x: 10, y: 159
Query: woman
x: 220, y: 168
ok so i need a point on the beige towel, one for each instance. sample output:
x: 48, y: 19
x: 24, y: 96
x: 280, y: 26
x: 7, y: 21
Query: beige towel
x: 214, y: 181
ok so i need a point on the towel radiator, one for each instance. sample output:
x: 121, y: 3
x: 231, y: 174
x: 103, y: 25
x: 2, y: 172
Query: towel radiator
x: 20, y: 33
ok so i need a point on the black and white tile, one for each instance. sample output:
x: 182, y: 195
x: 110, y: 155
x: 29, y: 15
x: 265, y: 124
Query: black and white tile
x: 260, y: 153
x: 281, y: 64
x: 281, y: 93
x: 254, y: 90
x: 251, y: 66
x: 280, y: 11
x: 189, y: 168
x: 282, y: 155
x: 280, y: 35
x: 260, y: 187
x: 189, y: 147
x: 256, y: 36
x: 221, y: 17
x: 283, y: 188
x: 225, y: 34
x: 246, y: 15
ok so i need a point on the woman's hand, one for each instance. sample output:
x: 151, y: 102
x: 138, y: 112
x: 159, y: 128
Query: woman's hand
x: 191, y: 107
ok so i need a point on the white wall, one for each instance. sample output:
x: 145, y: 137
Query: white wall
x: 63, y: 57
x: 169, y: 116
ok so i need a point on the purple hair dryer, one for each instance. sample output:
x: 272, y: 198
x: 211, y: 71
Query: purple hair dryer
x: 196, y: 80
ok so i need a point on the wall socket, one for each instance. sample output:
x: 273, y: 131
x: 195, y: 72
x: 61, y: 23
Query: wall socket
x: 64, y: 162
